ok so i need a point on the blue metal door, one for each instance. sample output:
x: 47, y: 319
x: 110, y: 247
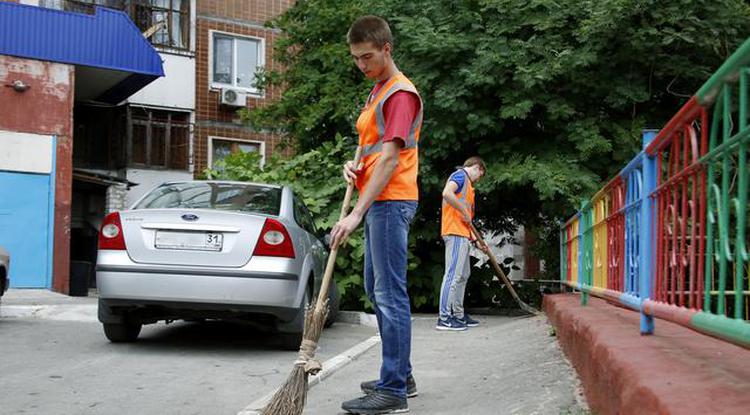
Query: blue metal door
x: 25, y: 228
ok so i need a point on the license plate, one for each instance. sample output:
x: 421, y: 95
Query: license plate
x: 194, y: 241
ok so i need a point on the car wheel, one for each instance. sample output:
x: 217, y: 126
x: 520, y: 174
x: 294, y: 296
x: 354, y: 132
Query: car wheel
x: 122, y: 332
x: 334, y: 301
x: 293, y: 339
x: 290, y: 341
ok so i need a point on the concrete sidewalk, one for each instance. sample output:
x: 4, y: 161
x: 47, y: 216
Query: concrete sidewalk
x: 34, y: 303
x: 674, y: 371
x: 30, y: 297
x: 504, y: 366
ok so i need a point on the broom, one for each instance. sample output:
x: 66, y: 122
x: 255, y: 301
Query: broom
x: 499, y: 271
x: 290, y: 398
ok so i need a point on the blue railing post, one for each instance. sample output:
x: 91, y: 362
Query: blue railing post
x: 646, y: 239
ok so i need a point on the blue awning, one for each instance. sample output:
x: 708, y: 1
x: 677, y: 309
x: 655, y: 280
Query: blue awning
x: 113, y: 60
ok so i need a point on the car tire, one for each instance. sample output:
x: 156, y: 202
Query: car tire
x: 293, y: 339
x: 290, y: 341
x: 122, y: 332
x: 334, y: 302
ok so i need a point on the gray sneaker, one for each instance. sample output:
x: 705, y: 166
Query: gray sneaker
x: 451, y: 324
x: 376, y: 403
x: 411, y: 387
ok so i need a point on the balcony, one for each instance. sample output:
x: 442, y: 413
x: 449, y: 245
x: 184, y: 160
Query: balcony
x: 166, y: 23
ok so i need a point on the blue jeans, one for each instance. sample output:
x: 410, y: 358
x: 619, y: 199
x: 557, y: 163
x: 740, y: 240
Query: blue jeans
x: 386, y: 242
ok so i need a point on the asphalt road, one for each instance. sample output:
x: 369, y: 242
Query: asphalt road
x: 49, y: 366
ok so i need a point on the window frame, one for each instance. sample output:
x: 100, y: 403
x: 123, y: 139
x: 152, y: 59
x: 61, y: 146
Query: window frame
x: 169, y: 11
x: 254, y: 92
x: 131, y: 121
x: 211, y: 138
x: 302, y: 215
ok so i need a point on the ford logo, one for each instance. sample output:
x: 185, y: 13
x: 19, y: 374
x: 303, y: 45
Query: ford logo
x: 189, y: 217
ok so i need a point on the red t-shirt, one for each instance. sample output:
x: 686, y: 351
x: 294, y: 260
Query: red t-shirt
x: 399, y: 112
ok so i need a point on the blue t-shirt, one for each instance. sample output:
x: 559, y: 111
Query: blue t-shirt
x: 459, y: 177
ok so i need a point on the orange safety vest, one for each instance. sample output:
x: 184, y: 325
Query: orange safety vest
x: 371, y: 127
x: 452, y: 222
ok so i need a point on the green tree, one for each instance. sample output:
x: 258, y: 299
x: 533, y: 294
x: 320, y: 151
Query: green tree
x: 553, y: 94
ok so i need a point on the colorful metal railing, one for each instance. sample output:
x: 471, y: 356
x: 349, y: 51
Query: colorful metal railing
x: 668, y: 235
x: 616, y: 236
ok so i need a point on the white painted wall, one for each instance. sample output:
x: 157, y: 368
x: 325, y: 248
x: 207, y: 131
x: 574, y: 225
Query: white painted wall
x: 24, y: 152
x: 503, y: 250
x: 176, y: 89
x: 148, y: 179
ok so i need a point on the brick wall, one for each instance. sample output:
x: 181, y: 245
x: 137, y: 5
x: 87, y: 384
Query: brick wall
x: 115, y: 198
x: 45, y: 108
x: 243, y: 18
x: 256, y: 10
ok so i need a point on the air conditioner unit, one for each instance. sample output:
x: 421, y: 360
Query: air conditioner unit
x: 233, y: 97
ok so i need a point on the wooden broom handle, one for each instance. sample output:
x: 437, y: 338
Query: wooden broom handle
x: 499, y: 271
x: 323, y: 294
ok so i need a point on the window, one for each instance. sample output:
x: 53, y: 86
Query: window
x: 303, y: 217
x: 98, y: 136
x: 159, y: 139
x: 209, y: 195
x: 82, y: 6
x: 222, y: 147
x: 235, y: 60
x: 172, y: 16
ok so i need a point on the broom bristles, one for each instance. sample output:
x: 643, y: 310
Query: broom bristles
x: 291, y: 397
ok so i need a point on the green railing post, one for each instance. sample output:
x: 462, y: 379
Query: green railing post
x: 740, y: 256
x: 725, y: 254
x: 711, y: 217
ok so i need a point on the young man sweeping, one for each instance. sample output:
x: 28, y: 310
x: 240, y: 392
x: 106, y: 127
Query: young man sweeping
x: 386, y: 179
x: 457, y: 214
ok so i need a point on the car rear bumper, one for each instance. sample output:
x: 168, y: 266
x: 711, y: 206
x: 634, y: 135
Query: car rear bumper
x: 154, y: 286
x: 114, y: 310
x: 256, y: 287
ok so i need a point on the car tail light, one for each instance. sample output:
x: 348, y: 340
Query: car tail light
x: 110, y: 235
x: 274, y: 240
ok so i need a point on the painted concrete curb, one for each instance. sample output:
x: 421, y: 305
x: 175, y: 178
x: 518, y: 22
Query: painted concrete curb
x: 357, y: 317
x: 330, y: 367
x: 673, y: 371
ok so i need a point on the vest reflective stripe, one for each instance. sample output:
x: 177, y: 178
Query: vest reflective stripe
x: 452, y: 222
x: 371, y: 128
x: 370, y: 149
x: 410, y: 141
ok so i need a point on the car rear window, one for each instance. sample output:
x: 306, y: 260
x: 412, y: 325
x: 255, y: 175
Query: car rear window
x: 221, y: 196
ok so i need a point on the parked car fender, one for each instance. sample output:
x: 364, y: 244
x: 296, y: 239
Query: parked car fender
x: 308, y: 272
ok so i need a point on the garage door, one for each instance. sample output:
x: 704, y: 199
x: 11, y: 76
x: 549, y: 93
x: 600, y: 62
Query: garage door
x: 26, y: 200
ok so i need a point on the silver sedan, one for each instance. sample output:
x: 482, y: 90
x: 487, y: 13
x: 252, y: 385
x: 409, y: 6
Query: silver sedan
x: 210, y: 250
